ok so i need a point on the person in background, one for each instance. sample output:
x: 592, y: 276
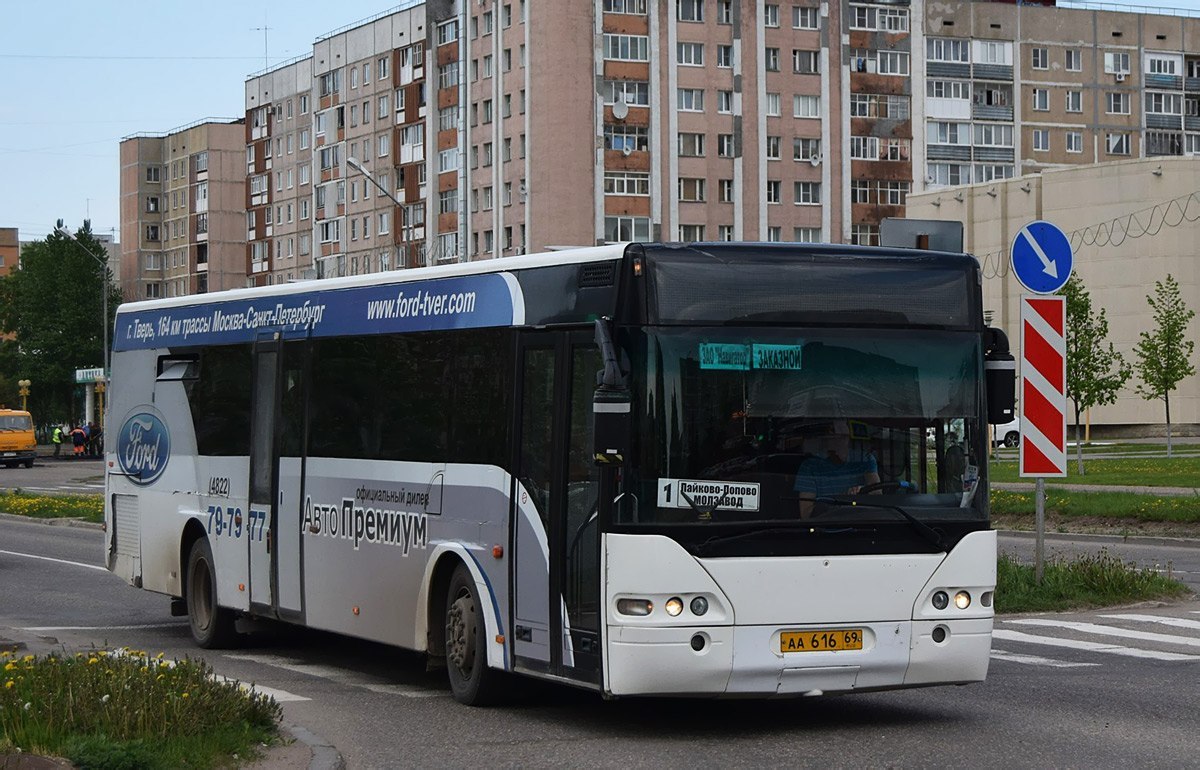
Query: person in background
x: 79, y: 440
x: 56, y: 438
x: 830, y: 470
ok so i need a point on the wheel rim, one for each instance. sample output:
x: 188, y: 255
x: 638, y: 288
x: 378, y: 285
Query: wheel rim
x: 200, y: 600
x: 460, y: 631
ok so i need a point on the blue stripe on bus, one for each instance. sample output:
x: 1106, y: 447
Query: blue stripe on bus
x: 495, y: 604
x: 461, y: 302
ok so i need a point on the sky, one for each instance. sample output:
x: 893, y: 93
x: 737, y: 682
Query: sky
x: 79, y: 75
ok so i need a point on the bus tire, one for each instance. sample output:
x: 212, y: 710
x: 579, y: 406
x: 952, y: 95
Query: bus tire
x: 1012, y: 439
x: 471, y: 681
x: 212, y: 625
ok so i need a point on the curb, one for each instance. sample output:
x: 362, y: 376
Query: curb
x: 324, y: 755
x: 1178, y: 542
x: 65, y: 522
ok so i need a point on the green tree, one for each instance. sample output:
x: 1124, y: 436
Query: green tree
x: 52, y: 305
x: 1164, y: 354
x: 1096, y: 372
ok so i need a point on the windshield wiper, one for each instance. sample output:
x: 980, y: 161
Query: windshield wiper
x: 702, y: 548
x: 705, y: 514
x: 926, y: 531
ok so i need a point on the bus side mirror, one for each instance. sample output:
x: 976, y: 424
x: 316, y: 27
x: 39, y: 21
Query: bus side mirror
x: 612, y: 415
x: 1000, y: 377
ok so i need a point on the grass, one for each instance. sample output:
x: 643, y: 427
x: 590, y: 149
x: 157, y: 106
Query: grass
x: 125, y: 709
x: 86, y: 507
x: 1115, y: 506
x: 1122, y: 471
x: 1096, y: 580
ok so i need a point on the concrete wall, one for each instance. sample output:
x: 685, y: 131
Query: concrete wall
x: 1093, y: 205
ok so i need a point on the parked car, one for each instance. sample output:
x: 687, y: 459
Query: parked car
x: 1008, y: 434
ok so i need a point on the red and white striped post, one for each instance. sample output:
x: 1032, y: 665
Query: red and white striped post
x: 1043, y: 400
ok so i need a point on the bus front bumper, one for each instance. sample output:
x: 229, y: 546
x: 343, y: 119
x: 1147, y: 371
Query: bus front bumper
x: 748, y: 661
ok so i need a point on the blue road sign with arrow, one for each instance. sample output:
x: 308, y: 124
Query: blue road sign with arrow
x: 1041, y: 257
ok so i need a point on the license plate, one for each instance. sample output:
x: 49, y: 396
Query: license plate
x: 8, y: 454
x: 821, y: 640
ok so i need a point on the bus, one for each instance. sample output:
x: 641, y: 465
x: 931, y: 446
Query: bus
x: 615, y: 467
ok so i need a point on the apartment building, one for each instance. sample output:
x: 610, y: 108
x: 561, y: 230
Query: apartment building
x: 183, y: 210
x: 10, y: 250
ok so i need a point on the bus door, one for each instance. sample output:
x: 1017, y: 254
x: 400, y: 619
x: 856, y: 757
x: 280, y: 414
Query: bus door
x: 556, y: 620
x: 273, y: 515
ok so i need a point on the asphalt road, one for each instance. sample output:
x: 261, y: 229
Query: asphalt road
x: 1064, y: 690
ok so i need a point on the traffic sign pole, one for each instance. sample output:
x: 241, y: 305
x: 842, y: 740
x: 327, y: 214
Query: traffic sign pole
x: 1039, y: 546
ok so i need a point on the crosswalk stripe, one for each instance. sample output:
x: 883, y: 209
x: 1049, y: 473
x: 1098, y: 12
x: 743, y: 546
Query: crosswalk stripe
x: 1124, y: 633
x: 342, y: 676
x: 1176, y: 622
x: 1076, y: 644
x: 1037, y: 660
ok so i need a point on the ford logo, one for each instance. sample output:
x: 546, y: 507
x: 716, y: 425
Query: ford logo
x: 143, y: 448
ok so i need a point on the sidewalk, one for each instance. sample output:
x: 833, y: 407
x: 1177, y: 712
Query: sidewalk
x: 1028, y: 486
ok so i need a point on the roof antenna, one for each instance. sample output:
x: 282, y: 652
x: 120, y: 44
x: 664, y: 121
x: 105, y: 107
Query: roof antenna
x: 263, y: 29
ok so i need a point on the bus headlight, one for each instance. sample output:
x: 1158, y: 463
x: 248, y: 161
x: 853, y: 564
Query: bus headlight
x: 699, y: 605
x: 634, y: 606
x: 941, y: 600
x: 674, y: 606
x: 962, y: 600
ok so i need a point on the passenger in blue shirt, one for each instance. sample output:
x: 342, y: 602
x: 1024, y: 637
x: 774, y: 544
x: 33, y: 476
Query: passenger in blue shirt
x: 830, y: 471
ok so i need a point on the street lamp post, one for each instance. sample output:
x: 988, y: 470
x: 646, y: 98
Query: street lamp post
x: 103, y: 286
x: 357, y: 166
x: 24, y: 392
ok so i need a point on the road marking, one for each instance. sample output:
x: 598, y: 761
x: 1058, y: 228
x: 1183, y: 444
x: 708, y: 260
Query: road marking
x: 341, y: 676
x: 57, y: 561
x: 281, y: 696
x: 106, y: 628
x: 1075, y: 644
x: 1037, y: 660
x: 1094, y: 628
x: 1176, y: 622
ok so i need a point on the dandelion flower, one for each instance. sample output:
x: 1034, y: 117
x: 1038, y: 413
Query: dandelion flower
x: 9, y: 666
x: 184, y: 695
x: 106, y: 698
x: 27, y: 659
x: 10, y: 684
x: 92, y: 661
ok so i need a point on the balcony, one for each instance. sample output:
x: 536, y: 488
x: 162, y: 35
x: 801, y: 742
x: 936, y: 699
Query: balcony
x: 994, y: 154
x: 1158, y: 120
x: 1164, y: 82
x: 950, y: 152
x: 1191, y: 123
x: 945, y: 69
x: 992, y: 72
x: 991, y: 112
x: 1191, y: 84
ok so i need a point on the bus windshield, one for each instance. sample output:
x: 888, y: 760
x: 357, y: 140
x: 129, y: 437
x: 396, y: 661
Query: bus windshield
x: 738, y: 424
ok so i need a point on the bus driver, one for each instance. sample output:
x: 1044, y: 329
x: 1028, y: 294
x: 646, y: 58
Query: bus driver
x: 829, y: 470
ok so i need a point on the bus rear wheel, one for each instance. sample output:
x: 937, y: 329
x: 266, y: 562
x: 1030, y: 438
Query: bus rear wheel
x: 212, y: 625
x: 471, y: 681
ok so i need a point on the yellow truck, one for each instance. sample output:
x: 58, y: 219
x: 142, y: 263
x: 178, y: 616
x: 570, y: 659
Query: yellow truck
x: 17, y: 444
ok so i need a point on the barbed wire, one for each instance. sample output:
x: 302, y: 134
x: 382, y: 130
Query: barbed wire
x: 1112, y: 232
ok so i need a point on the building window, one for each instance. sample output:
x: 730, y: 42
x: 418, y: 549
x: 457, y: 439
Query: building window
x: 616, y: 137
x: 1041, y: 100
x: 632, y: 7
x: 770, y: 15
x: 772, y: 59
x: 773, y: 191
x: 774, y: 144
x: 1040, y: 58
x: 725, y: 102
x: 724, y: 232
x: 773, y: 105
x: 864, y: 235
x: 724, y: 56
x: 690, y: 54
x: 691, y: 100
x: 1074, y: 101
x: 618, y: 228
x: 806, y: 149
x: 1158, y: 65
x: 691, y: 145
x: 1074, y: 60
x: 1074, y: 141
x: 689, y: 10
x: 626, y: 183
x: 1164, y: 104
x: 632, y: 92
x: 725, y: 190
x: 154, y: 173
x: 942, y: 49
x: 948, y: 89
x: 1041, y: 140
x: 805, y: 18
x: 627, y: 47
x: 806, y: 106
x: 691, y: 233
x: 806, y: 62
x: 806, y: 234
x: 447, y: 32
x: 993, y: 135
x: 893, y: 63
x: 807, y: 193
x: 691, y: 190
x: 1117, y: 143
x: 724, y: 11
x: 1116, y: 63
x: 1117, y: 103
x: 725, y: 145
x: 152, y: 232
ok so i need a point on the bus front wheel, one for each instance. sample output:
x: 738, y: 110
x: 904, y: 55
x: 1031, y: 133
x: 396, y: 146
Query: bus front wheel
x: 212, y: 625
x: 471, y: 681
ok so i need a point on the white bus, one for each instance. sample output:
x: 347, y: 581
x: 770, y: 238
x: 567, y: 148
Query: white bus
x: 647, y: 469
